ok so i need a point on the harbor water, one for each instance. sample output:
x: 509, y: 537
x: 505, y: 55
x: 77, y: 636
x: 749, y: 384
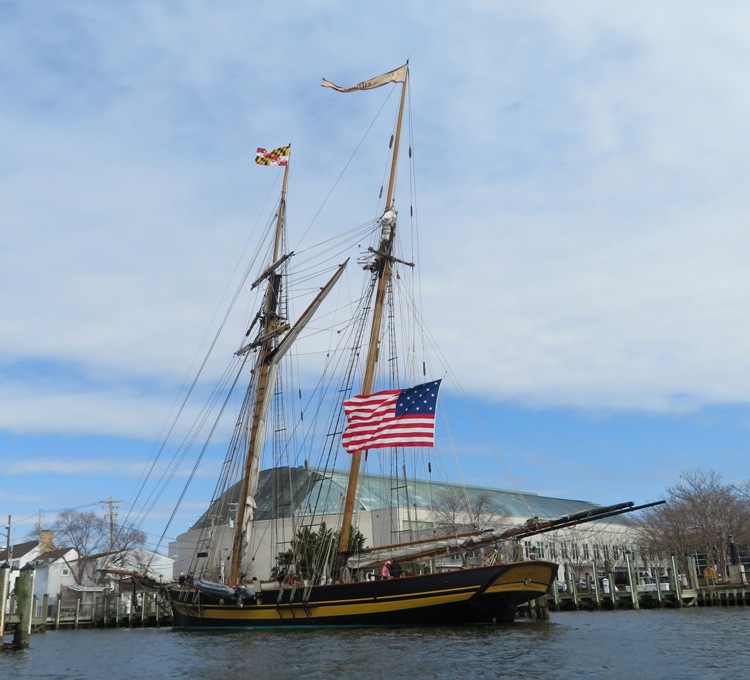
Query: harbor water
x: 696, y: 643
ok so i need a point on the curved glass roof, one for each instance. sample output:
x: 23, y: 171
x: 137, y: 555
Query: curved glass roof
x: 304, y: 491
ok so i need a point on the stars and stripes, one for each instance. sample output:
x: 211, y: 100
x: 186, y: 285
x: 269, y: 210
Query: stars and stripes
x: 391, y: 418
x: 278, y: 156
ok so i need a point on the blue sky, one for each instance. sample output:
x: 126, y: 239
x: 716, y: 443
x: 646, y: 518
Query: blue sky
x: 586, y: 162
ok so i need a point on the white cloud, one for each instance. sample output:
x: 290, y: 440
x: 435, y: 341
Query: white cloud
x: 55, y: 466
x: 588, y: 170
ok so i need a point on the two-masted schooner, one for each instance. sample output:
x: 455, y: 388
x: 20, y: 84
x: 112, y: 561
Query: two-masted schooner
x: 384, y: 412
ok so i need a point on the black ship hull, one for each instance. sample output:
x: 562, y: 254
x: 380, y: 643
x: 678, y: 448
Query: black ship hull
x: 482, y: 595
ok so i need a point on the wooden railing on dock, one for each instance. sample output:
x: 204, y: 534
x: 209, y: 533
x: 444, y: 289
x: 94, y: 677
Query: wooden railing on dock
x: 723, y: 596
x: 710, y: 596
x: 106, y: 612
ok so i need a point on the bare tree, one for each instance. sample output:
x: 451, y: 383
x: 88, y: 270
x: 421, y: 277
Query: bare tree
x: 700, y: 515
x: 743, y: 490
x: 89, y: 534
x: 455, y: 512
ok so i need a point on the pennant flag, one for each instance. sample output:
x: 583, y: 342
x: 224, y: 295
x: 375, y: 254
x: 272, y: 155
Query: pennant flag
x: 391, y: 418
x: 278, y: 156
x: 397, y: 76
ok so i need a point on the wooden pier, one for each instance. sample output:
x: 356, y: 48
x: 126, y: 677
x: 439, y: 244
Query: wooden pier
x: 726, y: 596
x: 711, y: 596
x: 645, y: 588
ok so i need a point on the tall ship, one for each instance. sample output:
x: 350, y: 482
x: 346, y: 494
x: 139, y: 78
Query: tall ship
x: 377, y: 396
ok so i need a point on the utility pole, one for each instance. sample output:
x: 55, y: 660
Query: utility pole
x: 8, y: 554
x: 39, y: 523
x: 112, y: 505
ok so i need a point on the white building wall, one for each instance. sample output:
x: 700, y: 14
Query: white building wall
x: 41, y: 581
x: 50, y: 578
x: 141, y: 560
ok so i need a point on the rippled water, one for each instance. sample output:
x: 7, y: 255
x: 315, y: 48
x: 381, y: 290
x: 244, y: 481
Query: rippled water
x: 674, y: 644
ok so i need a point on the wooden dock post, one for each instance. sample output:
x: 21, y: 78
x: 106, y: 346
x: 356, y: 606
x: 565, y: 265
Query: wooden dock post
x: 4, y: 583
x: 632, y: 581
x: 45, y: 610
x: 597, y: 594
x: 542, y: 608
x: 676, y: 582
x: 555, y: 596
x: 78, y: 613
x: 692, y: 571
x: 538, y: 608
x: 572, y: 588
x: 25, y: 596
x: 657, y: 579
x: 612, y: 589
x: 58, y: 610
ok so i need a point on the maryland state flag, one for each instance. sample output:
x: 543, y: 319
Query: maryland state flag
x: 278, y: 156
x: 396, y: 76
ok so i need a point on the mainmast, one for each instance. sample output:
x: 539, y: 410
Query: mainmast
x: 383, y: 265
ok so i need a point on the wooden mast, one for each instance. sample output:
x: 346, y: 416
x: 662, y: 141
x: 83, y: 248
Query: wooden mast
x: 383, y: 265
x: 263, y: 384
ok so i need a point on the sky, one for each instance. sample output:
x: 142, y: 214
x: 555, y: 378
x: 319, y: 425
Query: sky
x: 583, y: 180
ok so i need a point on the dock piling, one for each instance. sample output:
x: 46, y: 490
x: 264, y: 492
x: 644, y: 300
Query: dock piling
x: 4, y: 581
x: 25, y: 596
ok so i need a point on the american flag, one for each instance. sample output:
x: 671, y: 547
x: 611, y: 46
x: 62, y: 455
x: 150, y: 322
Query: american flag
x: 391, y: 418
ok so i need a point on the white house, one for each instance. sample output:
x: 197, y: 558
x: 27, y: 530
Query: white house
x: 56, y: 571
x: 52, y: 573
x: 22, y: 554
x: 134, y: 560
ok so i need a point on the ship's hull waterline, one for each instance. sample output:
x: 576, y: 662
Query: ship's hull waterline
x: 467, y: 596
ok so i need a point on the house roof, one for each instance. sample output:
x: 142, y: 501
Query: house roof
x: 18, y: 550
x: 52, y: 555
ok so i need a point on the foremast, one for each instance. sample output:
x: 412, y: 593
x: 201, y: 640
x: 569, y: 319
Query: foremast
x: 271, y: 348
x: 383, y: 265
x: 266, y: 373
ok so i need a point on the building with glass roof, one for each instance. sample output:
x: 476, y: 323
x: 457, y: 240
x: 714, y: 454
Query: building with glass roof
x: 389, y: 513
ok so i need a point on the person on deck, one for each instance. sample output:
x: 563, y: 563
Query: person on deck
x: 386, y: 570
x: 396, y: 570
